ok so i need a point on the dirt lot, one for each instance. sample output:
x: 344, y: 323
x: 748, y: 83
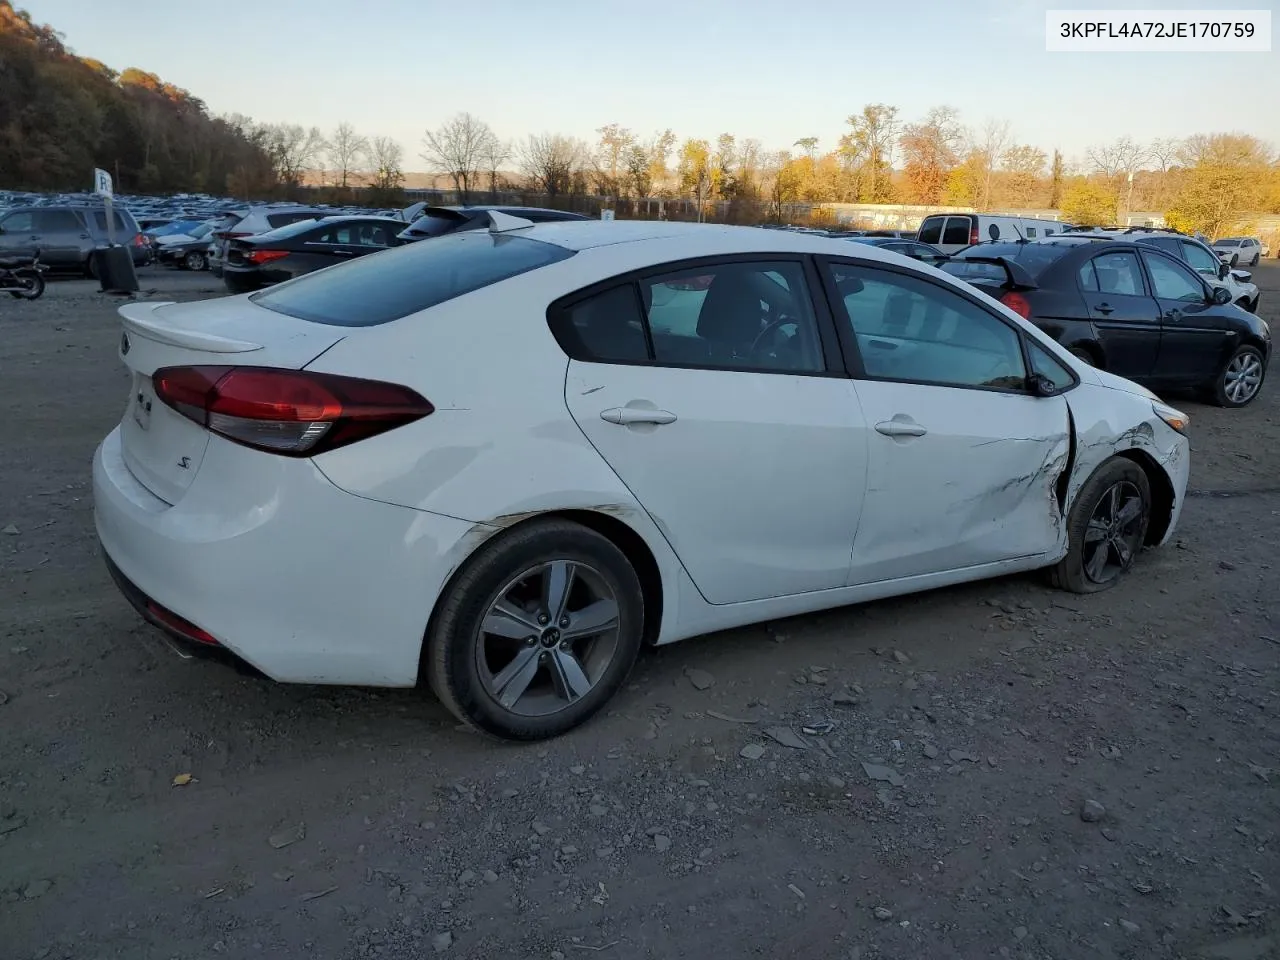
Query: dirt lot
x: 338, y: 823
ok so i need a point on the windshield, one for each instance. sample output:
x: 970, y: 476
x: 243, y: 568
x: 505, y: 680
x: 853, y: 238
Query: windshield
x: 1229, y: 242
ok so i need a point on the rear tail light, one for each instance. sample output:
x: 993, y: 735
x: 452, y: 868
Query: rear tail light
x: 1017, y: 303
x: 139, y: 240
x: 973, y: 232
x: 291, y: 412
x: 183, y: 628
x: 261, y: 257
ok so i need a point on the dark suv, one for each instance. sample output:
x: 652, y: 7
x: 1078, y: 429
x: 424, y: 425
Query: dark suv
x: 66, y: 235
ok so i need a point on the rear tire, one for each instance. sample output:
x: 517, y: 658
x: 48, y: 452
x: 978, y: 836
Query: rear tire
x: 1093, y: 525
x: 1240, y: 380
x: 195, y: 260
x: 472, y: 667
x: 35, y: 288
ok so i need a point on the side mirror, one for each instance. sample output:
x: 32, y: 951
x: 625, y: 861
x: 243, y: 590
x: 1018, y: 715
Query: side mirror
x: 1042, y: 386
x: 1223, y: 270
x: 1221, y: 296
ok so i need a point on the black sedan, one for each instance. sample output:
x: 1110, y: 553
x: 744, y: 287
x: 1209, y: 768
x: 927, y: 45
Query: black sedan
x: 925, y: 252
x: 303, y: 247
x: 1129, y: 309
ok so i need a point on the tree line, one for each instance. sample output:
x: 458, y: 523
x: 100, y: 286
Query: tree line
x: 61, y: 115
x: 1203, y: 182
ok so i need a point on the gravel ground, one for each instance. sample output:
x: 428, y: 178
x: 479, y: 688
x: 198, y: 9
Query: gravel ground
x: 1008, y: 771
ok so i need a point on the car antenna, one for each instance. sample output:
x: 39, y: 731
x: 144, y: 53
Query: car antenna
x: 503, y: 222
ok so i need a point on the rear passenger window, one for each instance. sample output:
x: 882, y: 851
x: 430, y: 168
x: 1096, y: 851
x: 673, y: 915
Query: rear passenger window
x: 957, y: 231
x: 24, y: 222
x: 57, y: 221
x: 100, y: 218
x: 1088, y: 278
x: 1119, y: 274
x: 284, y: 219
x: 605, y: 328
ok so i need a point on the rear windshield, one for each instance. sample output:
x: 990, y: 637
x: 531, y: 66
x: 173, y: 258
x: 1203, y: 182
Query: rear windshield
x: 931, y: 230
x: 282, y: 219
x: 1034, y: 257
x: 1232, y: 242
x: 378, y: 289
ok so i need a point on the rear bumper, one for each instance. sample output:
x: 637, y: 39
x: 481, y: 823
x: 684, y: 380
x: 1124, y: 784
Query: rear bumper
x: 304, y: 582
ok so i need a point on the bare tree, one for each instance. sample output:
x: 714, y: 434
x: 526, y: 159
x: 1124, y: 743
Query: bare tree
x: 1118, y: 161
x: 550, y: 160
x: 494, y: 154
x: 991, y: 142
x: 385, y: 157
x: 293, y: 149
x: 346, y: 152
x: 611, y: 158
x: 457, y: 148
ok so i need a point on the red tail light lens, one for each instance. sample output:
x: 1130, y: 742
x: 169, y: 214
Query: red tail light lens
x: 183, y: 628
x: 139, y: 240
x: 290, y: 412
x: 973, y: 232
x: 1017, y: 303
x: 260, y: 257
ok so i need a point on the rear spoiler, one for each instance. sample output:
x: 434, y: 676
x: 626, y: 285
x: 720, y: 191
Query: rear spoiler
x: 138, y: 319
x: 1016, y: 274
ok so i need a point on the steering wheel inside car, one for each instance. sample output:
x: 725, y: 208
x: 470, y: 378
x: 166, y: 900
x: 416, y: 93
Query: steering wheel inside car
x: 765, y: 344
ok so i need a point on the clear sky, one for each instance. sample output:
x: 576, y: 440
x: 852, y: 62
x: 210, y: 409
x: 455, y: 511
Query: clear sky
x: 777, y: 70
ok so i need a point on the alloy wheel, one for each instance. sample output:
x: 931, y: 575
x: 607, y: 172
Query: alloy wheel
x: 1113, y: 536
x: 1243, y: 377
x: 547, y: 638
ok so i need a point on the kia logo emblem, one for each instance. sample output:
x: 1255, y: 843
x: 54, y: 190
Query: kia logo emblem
x: 124, y: 343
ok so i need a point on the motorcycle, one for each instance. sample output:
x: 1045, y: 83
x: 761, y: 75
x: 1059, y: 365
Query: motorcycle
x: 22, y: 277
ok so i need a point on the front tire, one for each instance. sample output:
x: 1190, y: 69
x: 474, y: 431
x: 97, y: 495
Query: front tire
x: 1106, y: 528
x: 1240, y: 379
x: 34, y: 289
x: 537, y: 632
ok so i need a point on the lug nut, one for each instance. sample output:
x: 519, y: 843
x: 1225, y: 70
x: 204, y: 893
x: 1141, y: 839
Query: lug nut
x: 530, y: 641
x: 564, y: 623
x: 543, y: 619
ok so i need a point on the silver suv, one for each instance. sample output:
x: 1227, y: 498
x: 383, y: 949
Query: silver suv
x: 67, y: 235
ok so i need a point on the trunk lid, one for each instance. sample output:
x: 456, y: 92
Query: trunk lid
x: 162, y: 448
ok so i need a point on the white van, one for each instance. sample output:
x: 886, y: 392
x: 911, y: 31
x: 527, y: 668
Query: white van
x: 950, y: 232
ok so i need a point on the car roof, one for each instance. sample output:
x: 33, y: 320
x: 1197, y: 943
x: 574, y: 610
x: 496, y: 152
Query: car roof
x: 514, y: 211
x: 699, y: 239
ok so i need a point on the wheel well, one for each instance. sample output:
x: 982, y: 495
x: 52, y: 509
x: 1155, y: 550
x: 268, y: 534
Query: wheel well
x: 1095, y: 355
x: 1161, y: 494
x: 637, y: 553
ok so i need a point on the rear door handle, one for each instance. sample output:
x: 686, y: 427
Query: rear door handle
x: 629, y: 415
x: 900, y: 428
x: 1105, y: 309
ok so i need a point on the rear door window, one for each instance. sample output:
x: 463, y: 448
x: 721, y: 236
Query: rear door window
x: 100, y: 220
x: 376, y: 290
x: 24, y: 222
x: 284, y: 219
x: 57, y: 221
x: 957, y: 231
x: 1119, y: 274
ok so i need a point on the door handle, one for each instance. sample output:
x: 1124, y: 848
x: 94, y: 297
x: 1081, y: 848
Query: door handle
x: 900, y: 428
x: 1173, y: 315
x: 629, y: 415
x: 1105, y: 309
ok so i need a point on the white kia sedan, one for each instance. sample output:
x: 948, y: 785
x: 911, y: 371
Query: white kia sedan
x: 501, y: 461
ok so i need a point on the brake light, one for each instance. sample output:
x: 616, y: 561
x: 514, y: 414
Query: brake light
x: 973, y: 232
x: 260, y: 257
x: 291, y: 412
x: 1017, y: 303
x: 183, y: 628
x: 139, y: 240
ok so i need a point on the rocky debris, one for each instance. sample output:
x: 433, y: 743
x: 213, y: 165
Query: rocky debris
x: 844, y: 699
x: 466, y: 878
x: 489, y: 876
x: 10, y: 531
x: 289, y: 836
x: 1091, y: 811
x: 540, y: 828
x: 727, y: 718
x: 36, y: 889
x: 442, y: 941
x: 1020, y: 933
x: 786, y: 737
x: 752, y: 751
x: 1110, y: 753
x: 661, y: 843
x: 578, y: 769
x: 1128, y: 926
x: 930, y: 751
x: 882, y: 913
x: 958, y: 756
x: 700, y: 679
x: 901, y: 657
x: 882, y: 773
x: 1143, y: 888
